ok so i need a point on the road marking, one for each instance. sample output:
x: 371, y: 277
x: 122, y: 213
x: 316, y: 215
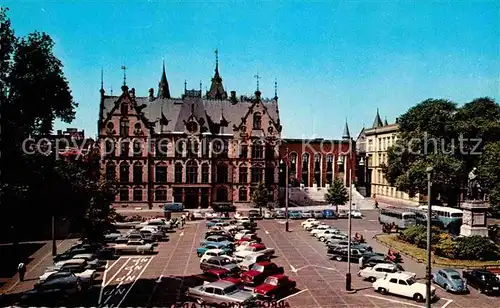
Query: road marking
x: 159, y: 279
x: 293, y: 268
x: 328, y: 268
x: 133, y: 283
x: 449, y: 301
x: 292, y: 295
x: 119, y: 270
x: 102, y: 283
x: 372, y: 220
x: 267, y: 232
x: 182, y: 233
x: 394, y: 301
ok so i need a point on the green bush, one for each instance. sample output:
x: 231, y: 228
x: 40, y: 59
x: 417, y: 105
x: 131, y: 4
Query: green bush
x: 476, y: 248
x: 446, y: 247
x: 410, y: 234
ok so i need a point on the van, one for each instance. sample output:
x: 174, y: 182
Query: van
x: 174, y: 207
x: 329, y: 214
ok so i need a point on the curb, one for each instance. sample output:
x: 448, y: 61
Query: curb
x: 350, y: 292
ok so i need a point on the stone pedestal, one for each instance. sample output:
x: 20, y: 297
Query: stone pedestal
x: 315, y: 186
x: 474, y: 221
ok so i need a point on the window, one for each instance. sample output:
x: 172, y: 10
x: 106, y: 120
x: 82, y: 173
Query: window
x: 192, y: 172
x: 179, y: 148
x: 137, y: 149
x: 110, y: 148
x: 160, y: 174
x: 222, y: 173
x: 329, y: 168
x: 124, y: 109
x: 243, y: 194
x: 125, y: 148
x: 137, y: 174
x: 257, y: 120
x: 243, y: 174
x: 293, y: 163
x: 178, y: 173
x: 256, y: 174
x: 124, y: 173
x: 137, y: 194
x: 110, y: 171
x: 218, y: 292
x: 305, y: 169
x: 124, y: 194
x: 257, y: 150
x: 244, y: 151
x: 205, y: 172
x: 161, y: 194
x: 193, y: 148
x: 124, y: 127
x: 317, y: 169
x: 402, y: 282
x: 205, y: 149
x: 393, y: 280
x: 161, y: 147
x: 221, y: 194
x: 269, y: 179
x: 269, y: 152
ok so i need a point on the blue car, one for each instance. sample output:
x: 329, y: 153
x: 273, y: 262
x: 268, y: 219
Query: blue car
x: 280, y: 215
x: 329, y: 214
x: 450, y: 280
x: 213, y: 222
x: 200, y: 251
x: 294, y: 215
x: 217, y: 239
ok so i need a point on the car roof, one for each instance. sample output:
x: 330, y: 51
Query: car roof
x: 214, y: 250
x: 83, y: 256
x: 222, y: 284
x: 386, y: 265
x: 279, y: 276
x: 449, y: 270
x: 264, y: 263
x: 399, y: 276
x: 218, y: 258
x: 483, y: 271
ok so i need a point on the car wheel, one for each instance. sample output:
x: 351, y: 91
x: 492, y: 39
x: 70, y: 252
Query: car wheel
x: 199, y: 301
x: 322, y: 239
x: 418, y: 297
x: 445, y: 287
x: 382, y: 290
x: 199, y: 255
x: 338, y: 258
x: 372, y: 279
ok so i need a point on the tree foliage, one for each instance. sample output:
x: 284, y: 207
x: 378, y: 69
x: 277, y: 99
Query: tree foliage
x: 436, y: 133
x: 260, y: 196
x: 337, y: 193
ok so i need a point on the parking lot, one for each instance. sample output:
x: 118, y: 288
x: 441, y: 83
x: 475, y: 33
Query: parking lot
x: 157, y: 280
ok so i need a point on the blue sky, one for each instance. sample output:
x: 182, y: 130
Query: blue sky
x: 332, y: 60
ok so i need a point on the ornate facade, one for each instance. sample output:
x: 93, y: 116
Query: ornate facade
x: 196, y: 149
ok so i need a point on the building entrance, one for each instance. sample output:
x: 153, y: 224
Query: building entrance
x: 191, y: 198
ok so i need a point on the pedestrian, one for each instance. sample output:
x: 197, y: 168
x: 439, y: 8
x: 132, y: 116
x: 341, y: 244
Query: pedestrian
x: 183, y: 220
x: 21, y: 268
x: 376, y: 204
x: 361, y: 262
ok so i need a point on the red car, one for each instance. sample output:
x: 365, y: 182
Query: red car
x: 213, y: 275
x: 259, y: 272
x: 249, y: 238
x: 275, y: 286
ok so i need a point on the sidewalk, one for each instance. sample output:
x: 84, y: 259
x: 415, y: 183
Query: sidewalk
x: 386, y: 201
x: 35, y: 266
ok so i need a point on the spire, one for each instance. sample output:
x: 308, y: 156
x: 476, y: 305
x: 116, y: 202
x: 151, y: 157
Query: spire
x: 185, y: 85
x: 257, y: 77
x: 275, y: 89
x: 378, y: 121
x: 385, y: 121
x: 217, y: 88
x: 163, y: 90
x: 124, y: 68
x: 102, y: 82
x: 346, y: 135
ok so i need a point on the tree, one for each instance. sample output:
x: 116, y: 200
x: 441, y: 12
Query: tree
x: 260, y: 196
x: 336, y: 194
x: 436, y: 133
x: 489, y: 173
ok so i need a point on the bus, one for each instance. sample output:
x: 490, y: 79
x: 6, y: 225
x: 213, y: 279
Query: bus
x: 421, y: 217
x: 401, y: 217
x: 446, y: 215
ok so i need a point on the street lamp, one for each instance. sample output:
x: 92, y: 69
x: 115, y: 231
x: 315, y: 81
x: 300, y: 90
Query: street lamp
x: 429, y: 215
x: 349, y: 225
x: 54, y: 246
x: 286, y: 194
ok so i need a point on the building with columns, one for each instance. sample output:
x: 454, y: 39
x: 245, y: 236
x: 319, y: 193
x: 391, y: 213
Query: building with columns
x: 199, y: 149
x: 371, y: 147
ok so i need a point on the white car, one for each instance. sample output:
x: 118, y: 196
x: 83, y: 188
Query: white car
x: 214, y: 253
x: 320, y: 229
x: 241, y: 254
x: 251, y: 259
x: 197, y: 215
x: 241, y: 234
x: 356, y: 214
x: 76, y: 266
x: 312, y: 225
x: 245, y: 245
x: 210, y: 215
x: 238, y: 215
x: 268, y: 215
x: 324, y: 233
x: 380, y: 271
x: 403, y: 285
x: 308, y: 221
x: 243, y: 219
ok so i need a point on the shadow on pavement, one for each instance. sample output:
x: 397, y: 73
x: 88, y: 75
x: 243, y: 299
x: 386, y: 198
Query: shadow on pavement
x: 13, y: 254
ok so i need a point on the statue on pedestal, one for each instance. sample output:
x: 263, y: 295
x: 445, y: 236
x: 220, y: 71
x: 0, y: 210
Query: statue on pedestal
x: 473, y: 186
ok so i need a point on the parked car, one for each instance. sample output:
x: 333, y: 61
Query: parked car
x: 112, y: 236
x: 160, y: 223
x: 318, y: 214
x: 322, y: 234
x: 482, y: 280
x: 329, y: 238
x: 259, y: 272
x: 249, y: 238
x: 309, y: 221
x: 280, y: 215
x: 268, y: 215
x: 306, y: 214
x: 214, y: 275
x: 450, y: 280
x: 200, y: 251
x: 254, y: 214
x: 329, y: 214
x: 261, y: 248
x: 275, y: 286
x: 321, y: 228
x: 403, y: 285
x: 243, y: 233
x: 356, y: 214
x: 221, y: 263
x: 221, y: 292
x: 211, y: 214
x: 224, y: 208
x: 294, y: 215
x: 78, y: 267
x: 251, y: 259
x: 342, y: 214
x: 60, y: 283
x: 341, y: 254
x: 380, y: 271
x: 134, y: 247
x: 215, y: 253
x: 92, y: 261
x: 216, y: 239
x: 369, y: 261
x: 224, y: 233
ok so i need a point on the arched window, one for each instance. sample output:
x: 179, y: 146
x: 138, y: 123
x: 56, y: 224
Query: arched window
x: 257, y: 120
x: 110, y: 172
x: 205, y: 173
x: 256, y: 174
x: 161, y: 194
x: 110, y: 148
x: 178, y: 173
x: 192, y: 172
x: 180, y: 145
x: 317, y: 169
x: 124, y: 109
x: 124, y: 173
x: 305, y: 169
x: 124, y: 127
x: 222, y: 173
x: 221, y: 194
x: 243, y: 174
x: 329, y: 168
x: 243, y: 194
x: 137, y: 148
x: 193, y: 148
x: 137, y: 174
x: 293, y: 163
x: 257, y: 150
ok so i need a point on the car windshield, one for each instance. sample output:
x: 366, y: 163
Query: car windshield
x: 59, y: 275
x: 489, y: 277
x: 455, y: 277
x: 258, y: 268
x: 410, y: 281
x: 272, y: 281
x: 226, y: 261
x: 231, y: 290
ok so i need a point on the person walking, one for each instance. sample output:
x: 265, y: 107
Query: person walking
x: 183, y: 220
x: 21, y: 268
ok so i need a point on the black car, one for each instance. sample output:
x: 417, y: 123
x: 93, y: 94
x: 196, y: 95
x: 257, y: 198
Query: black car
x: 226, y: 234
x: 220, y: 263
x: 340, y: 254
x: 254, y: 214
x: 224, y: 208
x: 483, y: 280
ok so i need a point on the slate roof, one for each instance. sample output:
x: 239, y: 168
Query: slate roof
x: 177, y: 111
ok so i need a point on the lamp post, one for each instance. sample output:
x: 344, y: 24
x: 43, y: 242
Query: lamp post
x: 286, y: 192
x: 429, y: 215
x: 54, y: 246
x: 348, y: 165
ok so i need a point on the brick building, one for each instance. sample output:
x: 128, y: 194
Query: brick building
x: 198, y: 149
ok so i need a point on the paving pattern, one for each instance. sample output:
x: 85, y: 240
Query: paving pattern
x: 160, y: 280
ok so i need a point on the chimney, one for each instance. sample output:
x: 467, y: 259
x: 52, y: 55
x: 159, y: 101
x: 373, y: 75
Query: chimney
x: 151, y: 94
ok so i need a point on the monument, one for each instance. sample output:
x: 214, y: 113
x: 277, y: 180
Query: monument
x: 474, y: 221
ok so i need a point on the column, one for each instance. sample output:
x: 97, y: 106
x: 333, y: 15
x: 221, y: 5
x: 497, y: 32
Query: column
x: 183, y: 195
x: 199, y: 198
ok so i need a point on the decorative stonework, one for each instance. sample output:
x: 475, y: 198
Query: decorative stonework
x: 474, y: 221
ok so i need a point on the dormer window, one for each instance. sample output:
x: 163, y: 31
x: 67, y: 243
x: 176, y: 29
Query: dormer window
x: 257, y: 120
x: 124, y: 127
x: 124, y: 109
